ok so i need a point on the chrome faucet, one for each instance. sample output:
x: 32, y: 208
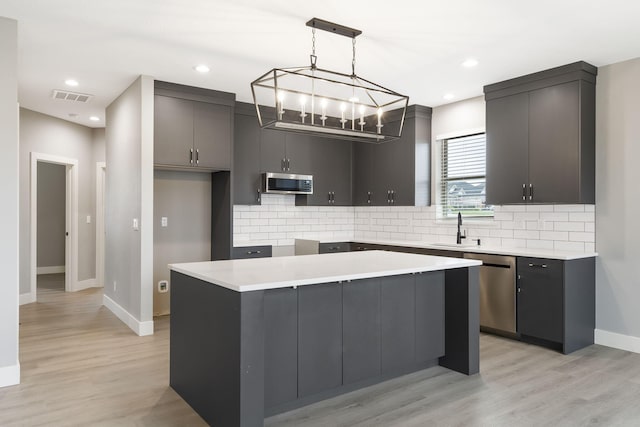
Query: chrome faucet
x: 460, y: 236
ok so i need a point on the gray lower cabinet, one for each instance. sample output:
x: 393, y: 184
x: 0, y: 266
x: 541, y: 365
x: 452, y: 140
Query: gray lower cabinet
x: 361, y: 330
x: 245, y: 252
x: 280, y: 346
x: 556, y: 301
x: 541, y: 137
x: 430, y: 303
x: 397, y: 324
x: 247, y: 187
x: 319, y: 338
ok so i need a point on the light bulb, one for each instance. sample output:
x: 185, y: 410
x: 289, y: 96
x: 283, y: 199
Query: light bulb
x: 281, y: 96
x: 343, y: 107
x: 362, y: 109
x: 323, y: 103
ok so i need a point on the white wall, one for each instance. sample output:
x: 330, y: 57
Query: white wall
x: 52, y: 180
x: 618, y: 204
x: 44, y: 134
x: 184, y: 198
x: 9, y: 365
x: 128, y: 284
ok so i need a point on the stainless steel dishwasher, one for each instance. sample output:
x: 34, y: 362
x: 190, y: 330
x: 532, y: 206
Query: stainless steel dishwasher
x: 497, y: 293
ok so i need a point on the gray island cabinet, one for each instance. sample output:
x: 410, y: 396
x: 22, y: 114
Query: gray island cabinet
x: 256, y: 337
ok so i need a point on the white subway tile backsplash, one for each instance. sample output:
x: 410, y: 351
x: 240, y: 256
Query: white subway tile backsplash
x: 581, y: 237
x: 569, y: 226
x: 554, y: 216
x: 278, y: 221
x: 568, y: 208
x: 583, y: 217
x: 569, y: 246
x: 554, y: 235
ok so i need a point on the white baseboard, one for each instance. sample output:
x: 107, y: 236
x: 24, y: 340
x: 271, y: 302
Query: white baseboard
x: 27, y: 298
x: 140, y: 328
x: 55, y: 269
x: 619, y: 341
x: 84, y: 284
x: 10, y: 375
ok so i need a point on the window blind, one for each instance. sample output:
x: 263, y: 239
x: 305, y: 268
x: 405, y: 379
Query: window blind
x: 462, y: 183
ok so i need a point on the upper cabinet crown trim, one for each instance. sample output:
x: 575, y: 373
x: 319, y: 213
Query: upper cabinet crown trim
x: 576, y: 71
x: 194, y: 93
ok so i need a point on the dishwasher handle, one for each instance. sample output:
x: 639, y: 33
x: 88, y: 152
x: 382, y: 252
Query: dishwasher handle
x: 491, y: 264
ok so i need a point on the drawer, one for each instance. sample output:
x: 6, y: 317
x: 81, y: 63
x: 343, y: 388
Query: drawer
x: 327, y: 248
x: 242, y: 252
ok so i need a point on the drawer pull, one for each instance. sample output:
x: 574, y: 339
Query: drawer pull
x: 253, y: 252
x: 538, y: 265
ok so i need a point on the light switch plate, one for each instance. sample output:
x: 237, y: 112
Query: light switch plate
x: 135, y: 224
x: 88, y: 219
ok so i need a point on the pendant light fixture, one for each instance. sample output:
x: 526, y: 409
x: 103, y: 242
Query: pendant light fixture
x: 321, y: 102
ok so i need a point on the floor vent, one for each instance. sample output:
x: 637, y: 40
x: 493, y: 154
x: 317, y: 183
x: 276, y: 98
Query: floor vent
x: 71, y: 96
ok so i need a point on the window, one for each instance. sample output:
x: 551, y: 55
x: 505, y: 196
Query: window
x: 462, y: 180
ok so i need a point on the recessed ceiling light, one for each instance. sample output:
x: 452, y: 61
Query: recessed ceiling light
x: 71, y: 82
x: 202, y: 68
x: 448, y: 96
x: 470, y: 63
x: 94, y: 118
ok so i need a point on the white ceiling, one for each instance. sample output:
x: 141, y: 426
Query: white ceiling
x: 413, y: 47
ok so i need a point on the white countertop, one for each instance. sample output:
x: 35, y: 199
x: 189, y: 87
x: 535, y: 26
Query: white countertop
x: 482, y: 249
x: 244, y: 275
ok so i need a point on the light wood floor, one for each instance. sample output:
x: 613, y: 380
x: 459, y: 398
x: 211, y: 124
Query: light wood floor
x: 82, y: 366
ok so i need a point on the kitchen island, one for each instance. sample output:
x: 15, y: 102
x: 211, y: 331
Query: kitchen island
x: 255, y: 337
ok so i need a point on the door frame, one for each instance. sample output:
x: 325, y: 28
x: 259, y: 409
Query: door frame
x: 71, y: 220
x: 101, y: 170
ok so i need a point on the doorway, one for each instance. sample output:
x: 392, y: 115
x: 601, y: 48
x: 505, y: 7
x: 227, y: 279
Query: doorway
x: 51, y: 233
x: 45, y: 162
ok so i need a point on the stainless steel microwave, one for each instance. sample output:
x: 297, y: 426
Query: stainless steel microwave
x: 287, y: 183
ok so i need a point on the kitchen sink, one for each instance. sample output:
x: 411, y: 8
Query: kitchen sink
x: 455, y: 245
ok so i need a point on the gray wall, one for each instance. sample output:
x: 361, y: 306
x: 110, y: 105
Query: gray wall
x: 617, y: 198
x: 184, y: 198
x: 49, y: 135
x: 51, y: 214
x: 129, y: 195
x: 9, y: 372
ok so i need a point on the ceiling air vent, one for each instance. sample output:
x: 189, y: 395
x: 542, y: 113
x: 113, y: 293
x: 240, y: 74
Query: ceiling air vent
x: 71, y: 96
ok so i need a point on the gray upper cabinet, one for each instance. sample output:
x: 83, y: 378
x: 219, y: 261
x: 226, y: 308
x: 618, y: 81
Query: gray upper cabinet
x: 331, y: 169
x: 193, y: 127
x: 285, y: 152
x: 173, y: 131
x: 246, y: 156
x: 396, y: 173
x: 212, y: 126
x: 541, y: 137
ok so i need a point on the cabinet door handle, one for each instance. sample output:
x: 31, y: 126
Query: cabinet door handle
x: 538, y: 265
x: 288, y: 165
x: 197, y: 156
x: 524, y: 191
x: 388, y: 197
x: 258, y: 195
x: 282, y: 167
x: 368, y: 197
x: 191, y: 156
x: 393, y: 197
x: 329, y: 197
x: 530, y: 191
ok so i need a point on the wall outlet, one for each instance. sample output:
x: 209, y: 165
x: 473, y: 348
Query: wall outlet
x: 135, y: 224
x: 115, y: 285
x: 88, y: 219
x: 163, y: 286
x: 164, y: 221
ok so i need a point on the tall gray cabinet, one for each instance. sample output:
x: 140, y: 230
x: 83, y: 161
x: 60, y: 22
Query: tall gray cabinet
x: 396, y: 173
x: 541, y: 137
